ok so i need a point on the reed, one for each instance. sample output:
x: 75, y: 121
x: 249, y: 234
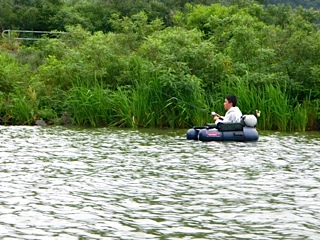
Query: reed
x: 299, y: 118
x: 121, y: 108
x: 143, y: 106
x: 163, y: 100
x: 246, y: 93
x: 303, y: 114
x: 21, y: 110
x: 167, y: 102
x: 276, y: 108
x: 89, y: 105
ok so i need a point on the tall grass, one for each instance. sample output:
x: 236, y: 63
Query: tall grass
x: 277, y: 111
x: 121, y: 108
x: 22, y: 110
x: 275, y: 107
x: 247, y: 94
x: 89, y: 105
x: 163, y: 100
x: 299, y: 117
x: 156, y: 100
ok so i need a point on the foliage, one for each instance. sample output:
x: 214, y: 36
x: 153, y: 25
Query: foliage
x: 28, y: 14
x: 12, y: 74
x: 163, y: 99
x: 162, y: 63
x: 276, y: 107
x: 23, y: 107
x: 295, y: 3
x: 88, y: 105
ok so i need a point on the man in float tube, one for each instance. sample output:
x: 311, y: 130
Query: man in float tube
x: 233, y: 114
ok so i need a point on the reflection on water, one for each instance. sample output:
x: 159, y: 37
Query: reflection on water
x: 73, y: 183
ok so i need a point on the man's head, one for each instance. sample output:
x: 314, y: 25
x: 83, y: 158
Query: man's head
x: 230, y: 101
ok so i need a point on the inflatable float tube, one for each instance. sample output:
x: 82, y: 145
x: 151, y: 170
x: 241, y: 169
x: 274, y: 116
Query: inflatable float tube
x: 223, y: 132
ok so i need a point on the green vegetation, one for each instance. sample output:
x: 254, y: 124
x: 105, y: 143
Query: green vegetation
x: 166, y: 66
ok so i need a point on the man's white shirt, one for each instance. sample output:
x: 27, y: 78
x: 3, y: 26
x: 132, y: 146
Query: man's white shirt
x: 233, y: 115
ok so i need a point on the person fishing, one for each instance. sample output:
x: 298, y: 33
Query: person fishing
x: 233, y: 114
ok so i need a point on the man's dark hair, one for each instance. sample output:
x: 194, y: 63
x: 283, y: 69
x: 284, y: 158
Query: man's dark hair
x: 233, y: 99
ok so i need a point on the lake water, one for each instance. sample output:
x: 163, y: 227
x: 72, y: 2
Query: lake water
x: 84, y: 183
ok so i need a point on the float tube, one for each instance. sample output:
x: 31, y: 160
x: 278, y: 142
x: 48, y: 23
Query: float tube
x: 224, y: 132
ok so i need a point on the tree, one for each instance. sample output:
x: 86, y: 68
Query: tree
x: 28, y: 15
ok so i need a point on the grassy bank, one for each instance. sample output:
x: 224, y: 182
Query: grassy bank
x: 155, y: 103
x: 143, y: 74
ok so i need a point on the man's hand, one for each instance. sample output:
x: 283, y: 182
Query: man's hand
x: 216, y: 117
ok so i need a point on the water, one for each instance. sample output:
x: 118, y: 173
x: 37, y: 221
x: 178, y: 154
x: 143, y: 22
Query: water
x: 76, y: 183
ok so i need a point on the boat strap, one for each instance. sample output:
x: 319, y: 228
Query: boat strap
x: 227, y: 127
x: 222, y: 127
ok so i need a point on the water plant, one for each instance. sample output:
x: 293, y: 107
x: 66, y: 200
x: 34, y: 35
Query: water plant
x: 164, y: 99
x: 21, y: 110
x: 274, y: 103
x: 88, y: 105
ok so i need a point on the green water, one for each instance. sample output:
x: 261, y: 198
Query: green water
x: 76, y: 183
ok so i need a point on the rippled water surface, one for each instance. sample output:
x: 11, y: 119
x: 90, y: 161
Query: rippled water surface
x: 75, y: 183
